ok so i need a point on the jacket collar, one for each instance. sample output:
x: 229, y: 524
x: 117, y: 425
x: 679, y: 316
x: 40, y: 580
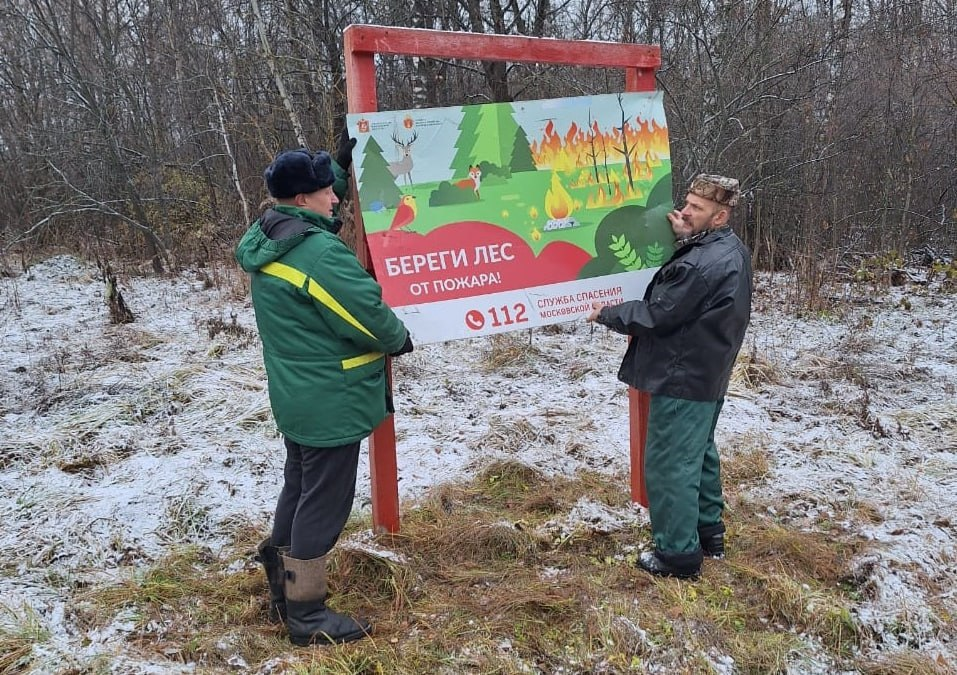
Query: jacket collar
x: 284, y: 222
x: 332, y: 225
x: 695, y: 238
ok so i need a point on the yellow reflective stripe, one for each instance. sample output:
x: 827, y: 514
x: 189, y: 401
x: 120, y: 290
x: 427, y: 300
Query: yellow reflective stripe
x: 285, y: 272
x: 357, y: 361
x: 298, y: 279
x: 322, y: 295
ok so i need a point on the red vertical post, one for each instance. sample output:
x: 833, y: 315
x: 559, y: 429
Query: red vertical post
x: 640, y: 79
x: 384, y: 471
x: 639, y: 402
x: 383, y: 465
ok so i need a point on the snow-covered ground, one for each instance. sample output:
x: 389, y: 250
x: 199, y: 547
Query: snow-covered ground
x: 118, y: 441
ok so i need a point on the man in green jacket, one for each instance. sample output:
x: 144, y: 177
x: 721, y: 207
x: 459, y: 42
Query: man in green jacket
x: 325, y: 333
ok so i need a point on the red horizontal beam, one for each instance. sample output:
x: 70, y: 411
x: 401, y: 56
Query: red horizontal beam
x: 481, y: 47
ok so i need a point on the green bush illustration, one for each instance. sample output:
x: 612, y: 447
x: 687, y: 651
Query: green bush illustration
x: 446, y: 193
x: 634, y: 237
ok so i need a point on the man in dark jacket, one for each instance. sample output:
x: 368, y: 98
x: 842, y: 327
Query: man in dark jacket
x: 686, y: 333
x: 325, y: 332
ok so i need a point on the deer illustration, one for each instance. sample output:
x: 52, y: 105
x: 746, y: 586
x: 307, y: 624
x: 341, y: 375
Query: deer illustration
x: 403, y: 167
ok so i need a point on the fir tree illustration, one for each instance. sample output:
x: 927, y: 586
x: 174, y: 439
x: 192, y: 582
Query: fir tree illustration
x: 627, y: 256
x: 654, y: 254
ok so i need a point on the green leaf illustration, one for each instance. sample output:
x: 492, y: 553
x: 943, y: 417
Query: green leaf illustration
x: 618, y: 243
x: 654, y: 254
x: 627, y: 256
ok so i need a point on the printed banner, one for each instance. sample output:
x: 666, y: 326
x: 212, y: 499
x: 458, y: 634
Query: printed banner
x: 489, y: 218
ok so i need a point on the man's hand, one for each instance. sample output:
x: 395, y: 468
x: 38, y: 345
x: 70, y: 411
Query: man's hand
x: 596, y: 308
x: 344, y: 152
x: 405, y: 348
x: 681, y: 227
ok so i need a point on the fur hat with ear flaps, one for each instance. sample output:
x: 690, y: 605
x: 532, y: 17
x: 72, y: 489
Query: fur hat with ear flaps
x: 296, y: 172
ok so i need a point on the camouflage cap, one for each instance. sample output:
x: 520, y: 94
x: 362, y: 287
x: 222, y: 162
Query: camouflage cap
x: 725, y: 191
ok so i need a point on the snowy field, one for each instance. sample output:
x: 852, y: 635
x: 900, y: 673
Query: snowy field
x: 118, y: 442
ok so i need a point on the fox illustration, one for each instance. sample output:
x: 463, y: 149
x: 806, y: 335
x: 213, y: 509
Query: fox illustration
x: 473, y: 182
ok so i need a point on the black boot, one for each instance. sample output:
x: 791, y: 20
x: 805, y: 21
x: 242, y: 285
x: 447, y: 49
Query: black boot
x: 271, y: 558
x: 712, y: 540
x: 308, y: 619
x: 679, y: 565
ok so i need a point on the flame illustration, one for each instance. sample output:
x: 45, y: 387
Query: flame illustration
x: 647, y: 141
x: 536, y: 234
x: 620, y: 193
x: 562, y: 161
x: 558, y: 203
x: 581, y: 152
x: 571, y: 133
x: 618, y: 197
x: 596, y: 201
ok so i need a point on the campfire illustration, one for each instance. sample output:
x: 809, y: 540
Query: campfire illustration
x: 559, y: 206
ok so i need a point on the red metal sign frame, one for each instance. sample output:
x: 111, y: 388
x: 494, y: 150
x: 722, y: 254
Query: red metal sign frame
x: 361, y: 44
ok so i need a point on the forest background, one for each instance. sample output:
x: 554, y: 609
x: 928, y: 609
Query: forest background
x: 139, y: 129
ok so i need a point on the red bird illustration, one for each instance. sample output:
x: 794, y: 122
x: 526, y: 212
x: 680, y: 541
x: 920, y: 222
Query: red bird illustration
x: 404, y: 213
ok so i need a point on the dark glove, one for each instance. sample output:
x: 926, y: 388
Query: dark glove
x: 405, y: 348
x: 344, y: 152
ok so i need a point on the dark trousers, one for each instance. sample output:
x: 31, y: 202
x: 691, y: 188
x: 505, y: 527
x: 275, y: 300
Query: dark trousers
x: 682, y: 471
x: 316, y: 499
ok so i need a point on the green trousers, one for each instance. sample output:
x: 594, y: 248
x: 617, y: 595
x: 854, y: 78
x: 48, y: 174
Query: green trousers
x: 682, y: 471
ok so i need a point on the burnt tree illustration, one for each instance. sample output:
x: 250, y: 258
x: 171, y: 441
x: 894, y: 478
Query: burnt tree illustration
x: 624, y: 149
x: 595, y: 134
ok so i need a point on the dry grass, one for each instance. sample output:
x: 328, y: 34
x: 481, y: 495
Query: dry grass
x: 373, y: 578
x: 19, y: 632
x: 759, y: 652
x: 83, y: 458
x: 809, y: 555
x: 751, y: 370
x: 510, y: 352
x: 511, y: 435
x: 189, y: 607
x: 825, y: 369
x: 558, y: 328
x: 476, y: 582
x: 938, y: 416
x: 866, y: 512
x: 231, y: 331
x: 186, y: 582
x: 906, y: 663
x: 749, y: 464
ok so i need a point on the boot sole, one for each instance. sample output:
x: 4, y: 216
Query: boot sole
x: 321, y: 639
x: 668, y: 572
x: 672, y: 575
